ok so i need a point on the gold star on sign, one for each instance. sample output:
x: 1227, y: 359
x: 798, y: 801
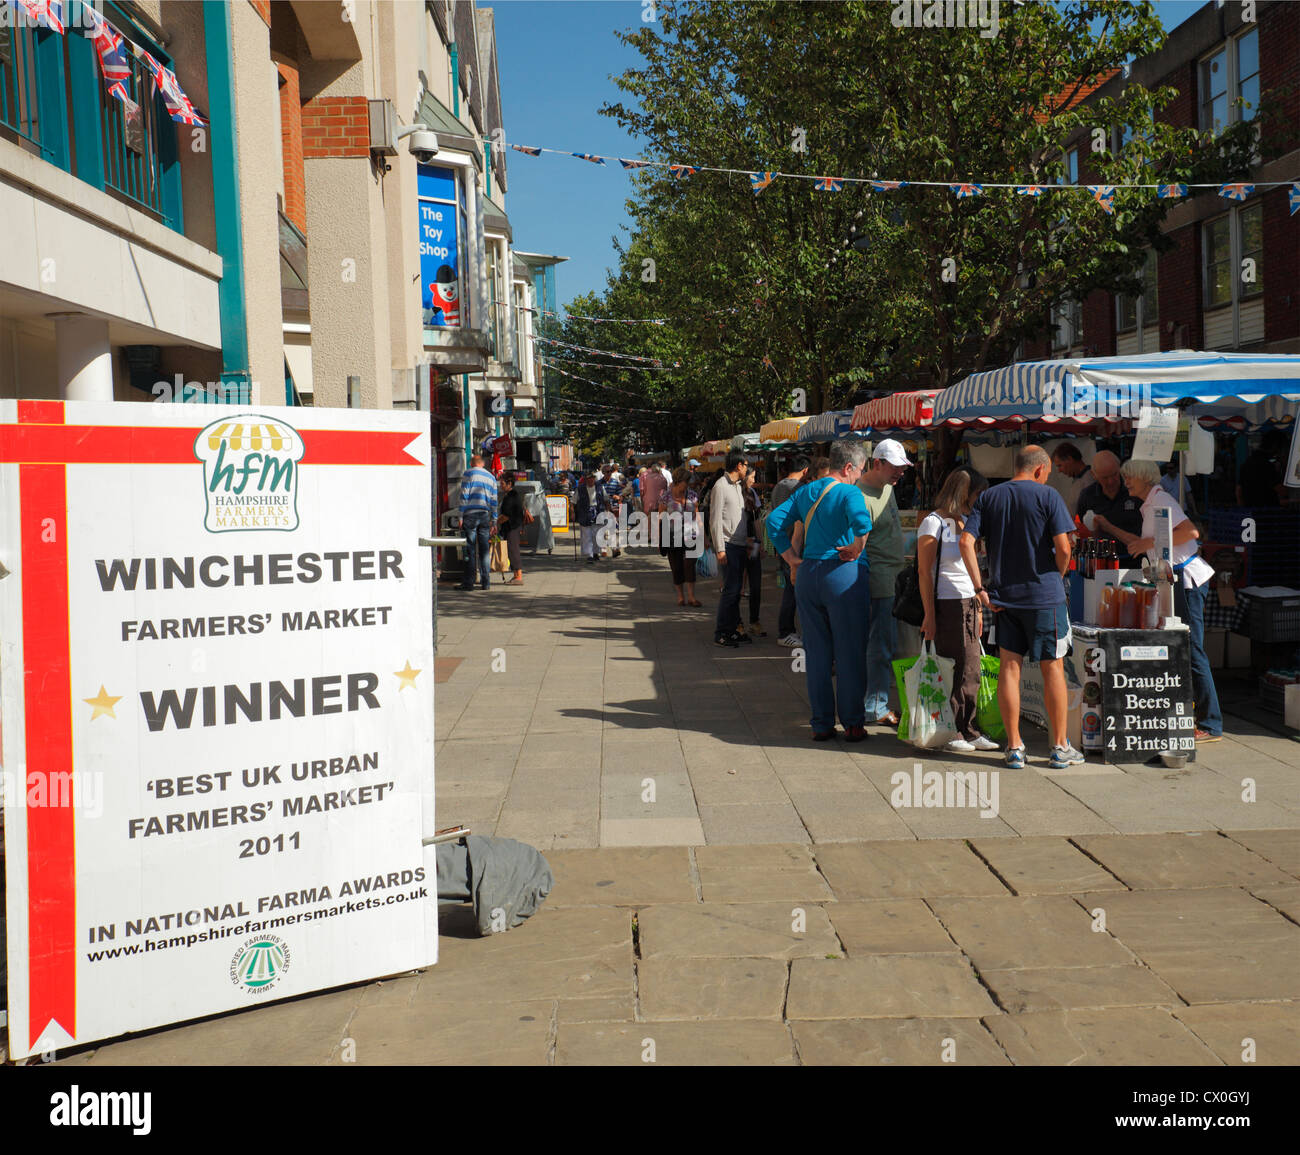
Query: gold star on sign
x: 103, y: 704
x: 407, y: 677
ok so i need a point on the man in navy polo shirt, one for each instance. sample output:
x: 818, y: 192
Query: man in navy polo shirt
x: 1026, y: 528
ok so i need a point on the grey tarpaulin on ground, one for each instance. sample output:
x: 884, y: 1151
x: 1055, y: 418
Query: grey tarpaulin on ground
x: 495, y: 874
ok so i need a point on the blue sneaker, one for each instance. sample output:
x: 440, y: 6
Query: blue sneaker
x: 1067, y: 755
x: 1014, y: 758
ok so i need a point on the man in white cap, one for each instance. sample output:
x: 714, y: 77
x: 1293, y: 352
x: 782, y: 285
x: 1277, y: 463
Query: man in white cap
x: 885, y: 558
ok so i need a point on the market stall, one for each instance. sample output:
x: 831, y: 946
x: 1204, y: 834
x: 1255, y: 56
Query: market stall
x: 830, y: 426
x: 1135, y: 666
x: 784, y: 430
x: 899, y: 411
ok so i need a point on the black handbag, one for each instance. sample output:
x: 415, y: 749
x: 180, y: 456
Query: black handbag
x: 908, y: 606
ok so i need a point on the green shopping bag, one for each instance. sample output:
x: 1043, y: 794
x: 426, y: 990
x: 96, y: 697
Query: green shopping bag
x: 987, y: 714
x: 901, y: 666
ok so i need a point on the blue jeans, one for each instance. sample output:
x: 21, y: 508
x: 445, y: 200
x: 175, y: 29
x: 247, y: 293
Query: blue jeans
x: 833, y: 599
x: 477, y: 525
x: 785, y: 619
x: 1192, y: 611
x: 733, y: 573
x: 881, y: 639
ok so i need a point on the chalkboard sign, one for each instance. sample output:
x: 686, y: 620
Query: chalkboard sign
x: 1147, y: 705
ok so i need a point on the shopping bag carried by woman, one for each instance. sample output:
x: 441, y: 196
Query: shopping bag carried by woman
x: 706, y: 565
x: 929, y: 690
x: 987, y: 714
x: 500, y: 556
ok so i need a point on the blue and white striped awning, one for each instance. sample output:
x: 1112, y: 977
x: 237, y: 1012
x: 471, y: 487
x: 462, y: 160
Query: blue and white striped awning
x: 1102, y: 387
x: 829, y: 426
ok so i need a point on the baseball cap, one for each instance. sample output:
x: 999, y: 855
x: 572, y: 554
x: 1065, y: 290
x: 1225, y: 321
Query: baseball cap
x: 891, y: 451
x: 692, y: 462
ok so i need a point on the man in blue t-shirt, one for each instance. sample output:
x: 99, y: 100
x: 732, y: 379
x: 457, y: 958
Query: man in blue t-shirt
x: 1026, y: 529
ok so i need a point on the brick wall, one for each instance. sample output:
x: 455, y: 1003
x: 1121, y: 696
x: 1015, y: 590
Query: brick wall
x: 335, y: 126
x: 1280, y: 268
x: 1099, y: 324
x: 1179, y: 286
x: 295, y: 197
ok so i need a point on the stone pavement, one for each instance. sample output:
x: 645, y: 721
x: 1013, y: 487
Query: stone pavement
x: 769, y: 905
x: 1103, y: 949
x: 587, y: 709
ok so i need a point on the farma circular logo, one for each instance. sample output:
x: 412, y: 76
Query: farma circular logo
x: 259, y: 964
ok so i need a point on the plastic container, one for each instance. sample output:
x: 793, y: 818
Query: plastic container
x: 1128, y: 608
x: 1148, y: 611
x: 1108, y: 608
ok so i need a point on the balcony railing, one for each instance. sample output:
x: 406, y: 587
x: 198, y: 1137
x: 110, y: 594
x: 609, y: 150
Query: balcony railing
x: 20, y: 85
x: 54, y: 102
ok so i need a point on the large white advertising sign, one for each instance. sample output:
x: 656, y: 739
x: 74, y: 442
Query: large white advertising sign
x: 216, y: 677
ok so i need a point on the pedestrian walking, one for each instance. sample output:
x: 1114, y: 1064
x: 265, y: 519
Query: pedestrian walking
x: 1192, y: 575
x: 609, y: 535
x: 953, y: 615
x: 511, y: 520
x: 886, y: 559
x: 754, y: 554
x: 1026, y: 528
x: 832, y: 589
x: 587, y: 513
x: 729, y: 534
x: 796, y: 470
x: 478, y: 514
x: 681, y: 529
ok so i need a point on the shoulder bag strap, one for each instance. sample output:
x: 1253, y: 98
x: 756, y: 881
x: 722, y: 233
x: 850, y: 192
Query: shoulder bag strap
x: 807, y: 525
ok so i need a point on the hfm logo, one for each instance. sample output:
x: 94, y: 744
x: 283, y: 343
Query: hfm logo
x: 249, y: 473
x: 259, y: 964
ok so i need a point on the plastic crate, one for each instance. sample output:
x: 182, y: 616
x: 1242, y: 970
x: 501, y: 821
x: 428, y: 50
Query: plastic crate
x: 1273, y: 619
x: 1272, y: 695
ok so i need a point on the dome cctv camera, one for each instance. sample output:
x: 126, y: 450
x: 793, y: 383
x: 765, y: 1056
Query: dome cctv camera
x: 423, y: 146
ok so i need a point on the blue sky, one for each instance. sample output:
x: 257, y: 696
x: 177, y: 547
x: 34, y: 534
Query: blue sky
x: 556, y: 59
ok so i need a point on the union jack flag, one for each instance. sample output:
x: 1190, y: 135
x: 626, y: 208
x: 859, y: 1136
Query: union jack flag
x: 632, y: 163
x: 113, y: 60
x: 46, y: 12
x: 1030, y: 190
x: 1293, y: 198
x: 682, y: 171
x: 527, y: 149
x: 588, y: 156
x: 1104, y: 195
x: 1169, y: 192
x: 888, y: 185
x: 829, y: 184
x: 758, y: 181
x: 1236, y: 192
x: 966, y: 190
x: 165, y: 82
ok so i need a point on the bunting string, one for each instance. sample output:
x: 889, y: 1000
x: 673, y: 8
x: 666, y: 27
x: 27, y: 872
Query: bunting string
x: 1104, y: 195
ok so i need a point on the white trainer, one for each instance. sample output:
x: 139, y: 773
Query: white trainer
x: 960, y: 746
x: 983, y: 742
x: 791, y: 641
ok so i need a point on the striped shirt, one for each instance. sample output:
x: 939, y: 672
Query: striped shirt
x: 478, y: 492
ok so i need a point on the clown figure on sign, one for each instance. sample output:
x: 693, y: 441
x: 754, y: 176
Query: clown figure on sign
x: 445, y: 291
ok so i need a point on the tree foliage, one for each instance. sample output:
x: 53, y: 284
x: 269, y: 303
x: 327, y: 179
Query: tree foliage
x: 841, y: 292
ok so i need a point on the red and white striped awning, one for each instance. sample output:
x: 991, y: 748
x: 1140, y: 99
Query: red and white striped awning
x: 898, y: 411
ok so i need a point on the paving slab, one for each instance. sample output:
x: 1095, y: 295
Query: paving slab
x: 760, y: 873
x: 1280, y: 847
x: 900, y: 926
x: 1044, y: 866
x: 615, y: 1009
x: 716, y: 988
x: 675, y: 1044
x: 1179, y: 861
x: 1129, y: 1036
x: 905, y: 870
x: 752, y: 822
x: 1028, y: 931
x: 1065, y: 822
x: 896, y: 1043
x: 843, y: 817
x: 1078, y: 988
x: 299, y: 1032
x: 1284, y: 898
x: 621, y: 876
x: 1247, y: 1034
x: 885, y: 987
x: 771, y: 930
x: 553, y: 934
x: 1209, y: 945
x: 456, y: 1034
